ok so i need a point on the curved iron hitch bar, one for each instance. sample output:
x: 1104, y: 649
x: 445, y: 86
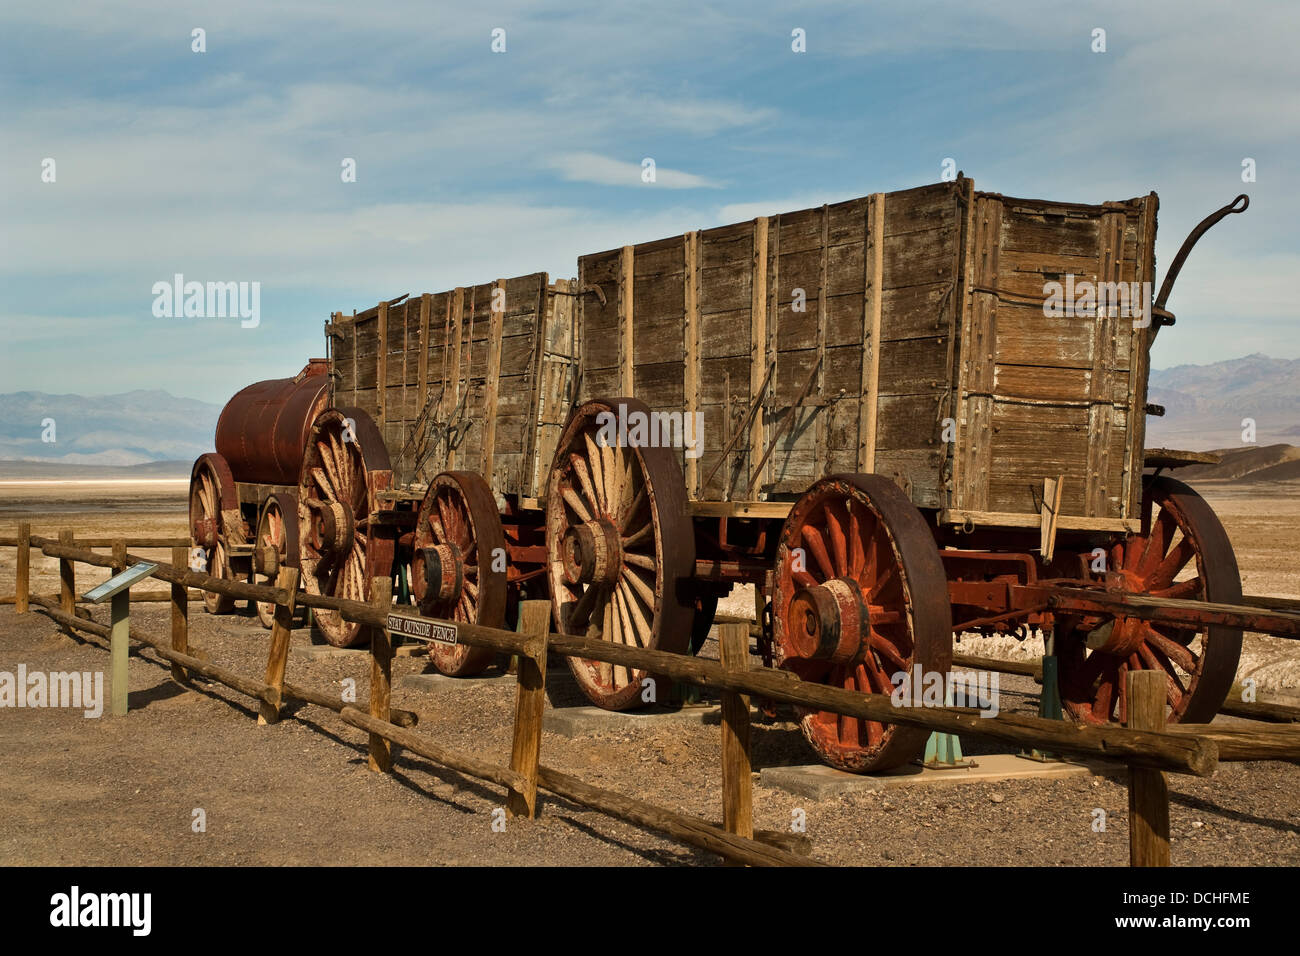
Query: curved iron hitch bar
x: 1158, y: 311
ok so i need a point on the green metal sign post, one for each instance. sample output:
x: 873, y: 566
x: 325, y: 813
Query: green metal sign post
x: 118, y: 588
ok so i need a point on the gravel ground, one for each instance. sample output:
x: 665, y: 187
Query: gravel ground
x: 124, y: 791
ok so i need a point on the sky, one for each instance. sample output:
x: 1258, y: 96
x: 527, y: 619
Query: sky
x: 226, y: 165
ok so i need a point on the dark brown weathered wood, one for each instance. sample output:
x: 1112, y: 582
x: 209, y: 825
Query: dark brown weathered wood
x: 68, y: 576
x: 381, y: 675
x: 1238, y: 743
x: 91, y: 541
x: 180, y: 617
x: 1148, y: 790
x: 689, y: 830
x: 23, y: 563
x: 278, y: 656
x: 1177, y: 754
x: 737, y: 779
x: 143, y: 597
x: 530, y: 702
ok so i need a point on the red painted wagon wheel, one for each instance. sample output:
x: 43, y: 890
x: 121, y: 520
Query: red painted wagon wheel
x: 276, y: 544
x: 620, y: 547
x: 458, y: 539
x: 341, y: 545
x: 1182, y: 551
x: 215, y: 524
x: 860, y: 594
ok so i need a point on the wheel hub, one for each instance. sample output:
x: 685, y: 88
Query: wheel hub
x: 1121, y: 635
x: 829, y: 622
x: 333, y: 526
x: 438, y: 572
x: 592, y: 553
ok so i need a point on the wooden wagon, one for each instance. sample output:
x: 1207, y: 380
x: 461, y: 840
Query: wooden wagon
x: 894, y: 416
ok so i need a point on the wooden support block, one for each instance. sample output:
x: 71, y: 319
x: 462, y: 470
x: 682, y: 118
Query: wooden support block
x: 180, y: 600
x: 626, y: 337
x: 873, y: 298
x: 22, y: 581
x: 691, y: 347
x: 381, y: 372
x: 737, y: 781
x: 119, y: 555
x: 526, y: 752
x: 281, y: 630
x: 496, y: 319
x: 1051, y: 508
x: 119, y: 643
x: 67, y: 576
x: 759, y: 380
x: 1148, y: 790
x: 381, y: 676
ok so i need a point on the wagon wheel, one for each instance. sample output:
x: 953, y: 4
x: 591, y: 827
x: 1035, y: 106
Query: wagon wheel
x: 215, y: 523
x: 1182, y: 551
x: 860, y: 595
x: 458, y: 536
x: 341, y: 545
x: 276, y: 544
x: 619, y: 546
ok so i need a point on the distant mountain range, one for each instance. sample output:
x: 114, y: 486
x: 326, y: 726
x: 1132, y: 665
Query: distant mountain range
x: 151, y: 433
x: 1205, y: 405
x: 132, y: 428
x: 1249, y: 465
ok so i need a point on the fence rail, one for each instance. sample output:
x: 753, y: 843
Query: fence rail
x: 1147, y: 746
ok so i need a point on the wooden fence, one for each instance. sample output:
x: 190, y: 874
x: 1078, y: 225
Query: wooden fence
x: 1146, y: 745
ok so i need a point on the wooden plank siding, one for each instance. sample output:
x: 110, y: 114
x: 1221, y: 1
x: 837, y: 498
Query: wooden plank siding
x: 891, y: 315
x: 490, y: 367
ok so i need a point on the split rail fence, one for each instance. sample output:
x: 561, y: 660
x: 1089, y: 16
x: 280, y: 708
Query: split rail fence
x: 1148, y: 747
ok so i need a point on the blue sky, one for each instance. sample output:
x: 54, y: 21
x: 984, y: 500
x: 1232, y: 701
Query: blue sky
x: 472, y: 165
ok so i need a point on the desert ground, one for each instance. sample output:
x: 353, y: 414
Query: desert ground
x: 125, y: 791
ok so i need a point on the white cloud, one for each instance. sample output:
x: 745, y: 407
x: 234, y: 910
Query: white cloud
x: 604, y: 171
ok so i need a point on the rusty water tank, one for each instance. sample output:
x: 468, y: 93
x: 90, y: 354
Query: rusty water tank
x: 262, y: 432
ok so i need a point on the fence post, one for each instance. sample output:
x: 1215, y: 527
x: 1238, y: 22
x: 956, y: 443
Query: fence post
x: 22, y: 580
x: 737, y: 782
x: 526, y: 752
x: 381, y: 675
x: 67, y: 576
x: 281, y: 631
x: 1148, y: 790
x: 180, y: 613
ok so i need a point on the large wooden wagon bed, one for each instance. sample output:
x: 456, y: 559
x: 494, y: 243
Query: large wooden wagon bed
x: 902, y: 334
x: 913, y: 421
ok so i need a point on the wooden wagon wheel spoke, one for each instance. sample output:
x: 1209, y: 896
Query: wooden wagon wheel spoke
x: 847, y: 620
x: 1181, y: 536
x: 592, y: 503
x: 618, y: 542
x: 339, y: 548
x: 812, y: 537
x: 1190, y: 588
x: 641, y: 534
x: 277, y: 534
x: 454, y: 575
x: 212, y: 499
